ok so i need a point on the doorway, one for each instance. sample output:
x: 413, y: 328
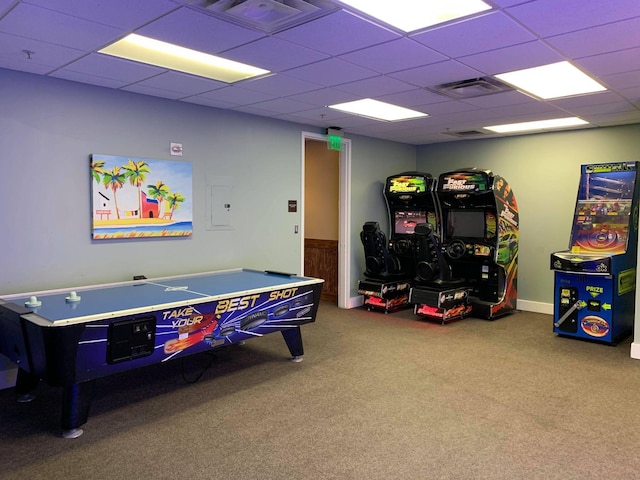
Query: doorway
x: 344, y: 214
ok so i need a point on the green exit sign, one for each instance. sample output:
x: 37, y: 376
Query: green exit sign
x: 334, y: 142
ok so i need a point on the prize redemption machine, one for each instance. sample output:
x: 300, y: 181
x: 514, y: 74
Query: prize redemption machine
x: 390, y: 264
x: 471, y: 269
x: 595, y: 280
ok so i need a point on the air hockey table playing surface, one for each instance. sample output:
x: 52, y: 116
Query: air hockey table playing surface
x: 70, y: 337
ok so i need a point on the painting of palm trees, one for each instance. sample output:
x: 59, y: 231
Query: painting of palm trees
x: 137, y: 198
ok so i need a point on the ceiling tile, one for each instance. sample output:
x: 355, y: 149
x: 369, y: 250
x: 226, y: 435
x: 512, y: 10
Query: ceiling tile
x: 502, y: 99
x: 86, y: 78
x: 5, y: 4
x: 282, y: 105
x: 610, y: 63
x: 437, y: 73
x: 46, y: 55
x: 209, y: 102
x: 236, y: 95
x: 516, y: 57
x: 110, y: 67
x: 338, y: 33
x: 508, y: 3
x: 479, y: 34
x: 325, y: 96
x: 274, y: 54
x: 393, y: 56
x: 614, y: 118
x: 278, y: 85
x: 580, y: 101
x: 375, y: 86
x: 572, y: 15
x: 181, y: 83
x: 607, y: 38
x: 331, y: 72
x: 604, y: 109
x: 414, y: 98
x: 191, y: 29
x: 155, y: 92
x: 22, y: 65
x: 41, y: 24
x: 138, y: 12
x: 451, y: 106
x: 322, y: 114
x: 620, y: 81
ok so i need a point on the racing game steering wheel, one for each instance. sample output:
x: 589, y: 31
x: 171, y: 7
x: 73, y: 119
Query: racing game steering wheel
x: 456, y: 249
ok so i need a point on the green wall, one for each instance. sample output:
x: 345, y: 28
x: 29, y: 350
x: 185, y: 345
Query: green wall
x: 544, y: 171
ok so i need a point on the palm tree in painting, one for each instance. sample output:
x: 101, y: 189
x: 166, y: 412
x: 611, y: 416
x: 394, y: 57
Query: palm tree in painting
x: 174, y: 200
x: 136, y: 172
x: 159, y: 191
x: 97, y: 169
x: 114, y: 180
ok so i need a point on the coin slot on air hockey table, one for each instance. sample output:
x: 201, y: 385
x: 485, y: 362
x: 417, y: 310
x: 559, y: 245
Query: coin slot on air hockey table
x: 130, y: 339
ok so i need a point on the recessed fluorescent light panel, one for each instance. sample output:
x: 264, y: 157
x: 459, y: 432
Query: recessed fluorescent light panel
x: 538, y: 125
x: 411, y: 15
x: 162, y: 54
x: 368, y: 107
x: 552, y: 81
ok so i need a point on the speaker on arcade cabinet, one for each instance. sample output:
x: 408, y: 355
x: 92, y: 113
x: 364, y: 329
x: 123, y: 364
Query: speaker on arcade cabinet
x: 480, y: 230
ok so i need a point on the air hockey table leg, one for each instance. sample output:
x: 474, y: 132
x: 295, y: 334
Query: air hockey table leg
x: 76, y: 401
x: 293, y: 338
x: 25, y: 384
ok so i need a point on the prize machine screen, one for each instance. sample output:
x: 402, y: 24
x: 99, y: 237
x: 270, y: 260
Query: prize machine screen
x: 410, y: 201
x: 480, y: 237
x: 603, y: 213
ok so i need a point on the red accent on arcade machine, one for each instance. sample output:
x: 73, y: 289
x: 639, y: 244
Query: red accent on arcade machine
x: 478, y: 249
x: 595, y: 280
x: 390, y: 265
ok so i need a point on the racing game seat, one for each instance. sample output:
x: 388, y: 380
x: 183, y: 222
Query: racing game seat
x: 432, y: 267
x: 379, y: 262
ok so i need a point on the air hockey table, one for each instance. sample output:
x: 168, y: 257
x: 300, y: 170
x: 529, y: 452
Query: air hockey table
x: 71, y: 337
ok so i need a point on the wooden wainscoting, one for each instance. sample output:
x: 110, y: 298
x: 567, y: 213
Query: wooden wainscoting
x: 321, y: 261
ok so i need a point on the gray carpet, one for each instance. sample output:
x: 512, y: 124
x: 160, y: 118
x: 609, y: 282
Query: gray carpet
x: 376, y: 397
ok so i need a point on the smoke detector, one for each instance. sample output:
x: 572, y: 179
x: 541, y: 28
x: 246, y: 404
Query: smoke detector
x: 269, y: 15
x: 471, y: 88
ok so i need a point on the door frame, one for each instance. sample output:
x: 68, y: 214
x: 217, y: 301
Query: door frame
x: 344, y: 216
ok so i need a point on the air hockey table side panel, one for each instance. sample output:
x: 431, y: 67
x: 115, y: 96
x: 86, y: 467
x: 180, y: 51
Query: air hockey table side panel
x: 78, y: 352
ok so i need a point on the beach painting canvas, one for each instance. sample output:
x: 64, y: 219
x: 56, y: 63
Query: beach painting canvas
x: 140, y: 198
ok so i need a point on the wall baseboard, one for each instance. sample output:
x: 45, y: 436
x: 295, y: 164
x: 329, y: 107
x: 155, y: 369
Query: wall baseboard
x: 635, y: 350
x: 355, y: 302
x: 525, y: 305
x: 535, y: 307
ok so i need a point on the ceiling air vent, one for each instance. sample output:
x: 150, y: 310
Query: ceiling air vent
x: 465, y: 133
x: 269, y: 15
x: 474, y: 87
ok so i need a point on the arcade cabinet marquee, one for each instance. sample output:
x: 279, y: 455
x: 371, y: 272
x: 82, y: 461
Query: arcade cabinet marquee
x: 595, y: 279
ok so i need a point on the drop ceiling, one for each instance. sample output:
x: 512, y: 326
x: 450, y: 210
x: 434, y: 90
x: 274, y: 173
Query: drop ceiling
x: 340, y: 56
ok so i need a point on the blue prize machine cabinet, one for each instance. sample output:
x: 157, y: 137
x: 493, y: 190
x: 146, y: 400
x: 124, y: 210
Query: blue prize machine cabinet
x: 595, y: 281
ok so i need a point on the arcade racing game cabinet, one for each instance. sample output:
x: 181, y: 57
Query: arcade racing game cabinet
x: 390, y: 264
x: 479, y: 243
x: 595, y: 280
